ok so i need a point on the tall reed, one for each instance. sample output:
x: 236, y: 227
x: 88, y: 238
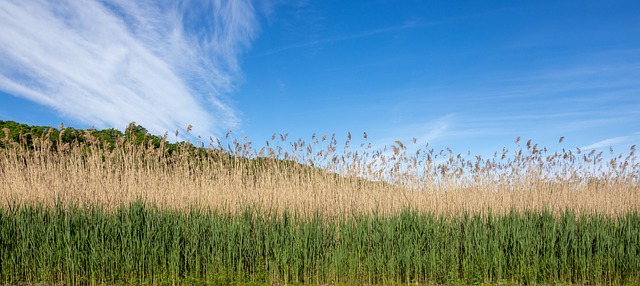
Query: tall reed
x: 143, y: 244
x: 78, y: 210
x: 320, y: 175
x: 304, y: 177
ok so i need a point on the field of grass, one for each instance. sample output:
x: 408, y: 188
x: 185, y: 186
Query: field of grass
x: 317, y: 212
x: 138, y: 244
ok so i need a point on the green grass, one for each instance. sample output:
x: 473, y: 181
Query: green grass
x: 140, y: 244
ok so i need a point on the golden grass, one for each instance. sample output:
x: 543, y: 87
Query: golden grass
x: 342, y: 181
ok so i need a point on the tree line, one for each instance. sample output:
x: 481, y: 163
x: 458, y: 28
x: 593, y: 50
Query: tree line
x: 26, y: 134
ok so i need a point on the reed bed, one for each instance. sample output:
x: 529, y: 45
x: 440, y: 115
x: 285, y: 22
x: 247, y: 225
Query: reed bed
x: 79, y: 210
x: 318, y: 176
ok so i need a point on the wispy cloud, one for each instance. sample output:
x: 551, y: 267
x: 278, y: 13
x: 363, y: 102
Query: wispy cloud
x: 427, y: 132
x: 609, y: 142
x: 163, y: 64
x: 437, y: 129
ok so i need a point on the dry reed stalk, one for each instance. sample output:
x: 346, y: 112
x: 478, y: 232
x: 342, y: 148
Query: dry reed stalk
x: 351, y: 182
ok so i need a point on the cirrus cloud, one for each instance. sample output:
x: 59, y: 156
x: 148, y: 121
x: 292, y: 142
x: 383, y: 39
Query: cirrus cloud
x: 163, y: 64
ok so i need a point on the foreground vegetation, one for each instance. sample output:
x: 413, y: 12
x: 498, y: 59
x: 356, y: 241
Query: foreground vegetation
x: 105, y: 207
x: 145, y: 245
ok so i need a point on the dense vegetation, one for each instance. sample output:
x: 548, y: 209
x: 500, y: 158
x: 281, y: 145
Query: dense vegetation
x: 105, y: 207
x: 145, y: 245
x: 25, y: 134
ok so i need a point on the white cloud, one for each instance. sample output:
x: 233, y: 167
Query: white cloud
x: 438, y: 129
x: 428, y: 132
x: 163, y: 64
x: 612, y: 142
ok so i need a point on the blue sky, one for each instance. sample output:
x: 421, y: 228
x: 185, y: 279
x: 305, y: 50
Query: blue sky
x: 470, y: 75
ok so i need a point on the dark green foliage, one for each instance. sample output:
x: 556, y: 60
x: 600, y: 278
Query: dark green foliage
x: 11, y: 131
x: 25, y: 134
x: 134, y: 135
x: 139, y: 135
x: 108, y: 137
x: 139, y: 244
